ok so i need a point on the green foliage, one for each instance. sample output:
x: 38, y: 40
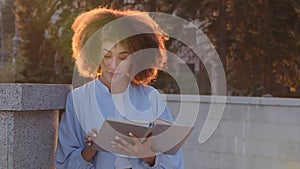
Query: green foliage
x: 7, y: 73
x: 263, y: 48
x: 257, y: 41
x: 45, y: 32
x: 7, y: 68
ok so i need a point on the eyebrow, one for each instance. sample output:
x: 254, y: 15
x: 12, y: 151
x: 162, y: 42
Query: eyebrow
x: 124, y: 52
x: 120, y: 53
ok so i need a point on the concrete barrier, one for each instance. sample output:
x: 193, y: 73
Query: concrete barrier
x: 29, y: 115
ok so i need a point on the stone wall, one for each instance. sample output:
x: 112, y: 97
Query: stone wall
x: 254, y: 133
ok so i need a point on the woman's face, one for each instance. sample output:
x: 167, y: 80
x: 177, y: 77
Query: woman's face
x: 116, y: 62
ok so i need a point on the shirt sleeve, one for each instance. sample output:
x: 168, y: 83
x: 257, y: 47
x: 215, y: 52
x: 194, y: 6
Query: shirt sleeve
x: 70, y: 141
x: 164, y: 161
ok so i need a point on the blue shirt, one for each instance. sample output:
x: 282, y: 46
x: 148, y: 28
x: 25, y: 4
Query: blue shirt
x: 146, y: 103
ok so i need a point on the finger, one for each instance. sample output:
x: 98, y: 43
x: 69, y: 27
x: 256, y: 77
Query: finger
x: 92, y: 134
x: 123, y: 142
x: 86, y: 138
x: 150, y: 135
x: 89, y: 139
x: 148, y: 141
x: 95, y: 130
x: 135, y: 138
x: 122, y: 147
x: 132, y: 135
x: 88, y: 142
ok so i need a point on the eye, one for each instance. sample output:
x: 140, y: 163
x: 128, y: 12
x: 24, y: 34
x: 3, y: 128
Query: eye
x: 123, y: 57
x: 107, y: 56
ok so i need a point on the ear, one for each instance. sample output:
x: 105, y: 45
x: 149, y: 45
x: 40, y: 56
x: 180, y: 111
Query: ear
x: 99, y: 69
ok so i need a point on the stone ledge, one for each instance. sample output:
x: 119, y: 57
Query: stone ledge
x: 267, y: 101
x: 22, y: 96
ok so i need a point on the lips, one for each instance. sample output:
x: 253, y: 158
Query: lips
x: 111, y: 74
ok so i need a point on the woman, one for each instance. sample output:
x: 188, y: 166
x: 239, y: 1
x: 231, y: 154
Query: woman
x: 113, y: 45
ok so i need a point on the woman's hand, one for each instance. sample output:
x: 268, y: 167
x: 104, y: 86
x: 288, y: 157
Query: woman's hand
x: 139, y: 149
x: 88, y: 153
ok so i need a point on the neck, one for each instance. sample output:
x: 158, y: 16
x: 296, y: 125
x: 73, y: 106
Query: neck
x: 115, y: 87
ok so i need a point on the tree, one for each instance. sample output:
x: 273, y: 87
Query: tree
x: 258, y: 41
x: 32, y: 19
x: 264, y: 48
x: 45, y: 32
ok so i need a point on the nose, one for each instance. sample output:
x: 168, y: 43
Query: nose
x: 114, y: 64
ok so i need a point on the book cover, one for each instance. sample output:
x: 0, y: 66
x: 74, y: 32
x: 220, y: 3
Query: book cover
x: 167, y: 137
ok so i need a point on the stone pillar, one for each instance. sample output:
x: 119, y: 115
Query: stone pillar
x: 29, y: 115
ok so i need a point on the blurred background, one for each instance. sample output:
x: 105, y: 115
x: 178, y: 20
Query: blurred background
x: 258, y: 41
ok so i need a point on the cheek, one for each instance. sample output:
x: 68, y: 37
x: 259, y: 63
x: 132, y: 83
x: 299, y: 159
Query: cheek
x: 127, y: 65
x: 103, y: 64
x: 124, y: 66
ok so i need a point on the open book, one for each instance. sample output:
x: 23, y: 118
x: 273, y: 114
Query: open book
x: 167, y: 137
